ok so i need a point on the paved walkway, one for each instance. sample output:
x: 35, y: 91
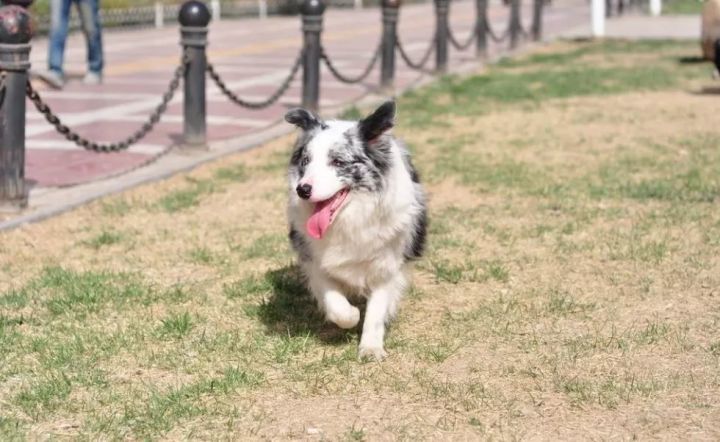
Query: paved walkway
x: 636, y: 26
x: 252, y: 55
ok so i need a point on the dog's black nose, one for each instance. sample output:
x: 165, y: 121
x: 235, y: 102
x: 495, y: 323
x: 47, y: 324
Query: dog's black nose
x: 304, y: 191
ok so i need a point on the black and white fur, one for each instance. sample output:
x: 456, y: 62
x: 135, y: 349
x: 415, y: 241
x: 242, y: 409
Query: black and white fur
x: 380, y: 229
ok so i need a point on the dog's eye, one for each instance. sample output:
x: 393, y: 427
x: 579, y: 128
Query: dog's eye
x: 305, y: 161
x: 337, y: 163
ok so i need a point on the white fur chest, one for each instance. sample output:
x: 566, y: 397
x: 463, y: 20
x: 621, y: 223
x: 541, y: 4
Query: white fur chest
x: 366, y: 243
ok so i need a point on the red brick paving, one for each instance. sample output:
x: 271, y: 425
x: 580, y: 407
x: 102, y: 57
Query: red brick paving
x: 59, y: 168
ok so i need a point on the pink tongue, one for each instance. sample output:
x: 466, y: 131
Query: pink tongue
x: 322, y: 215
x: 319, y: 221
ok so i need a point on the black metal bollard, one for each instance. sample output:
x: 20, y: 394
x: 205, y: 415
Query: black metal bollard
x: 441, y: 35
x: 481, y: 29
x: 15, y: 35
x: 194, y: 18
x: 390, y: 11
x: 514, y: 23
x: 312, y: 16
x: 536, y: 30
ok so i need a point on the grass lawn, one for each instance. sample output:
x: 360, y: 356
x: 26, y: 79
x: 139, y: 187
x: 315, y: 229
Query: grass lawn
x: 571, y: 288
x: 675, y: 7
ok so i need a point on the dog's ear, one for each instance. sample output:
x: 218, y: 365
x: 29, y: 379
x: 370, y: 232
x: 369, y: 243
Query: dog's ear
x: 377, y: 123
x: 303, y: 119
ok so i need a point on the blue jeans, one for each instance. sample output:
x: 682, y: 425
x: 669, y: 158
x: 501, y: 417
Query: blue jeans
x: 59, y: 21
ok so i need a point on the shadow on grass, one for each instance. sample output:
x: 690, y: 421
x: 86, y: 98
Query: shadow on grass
x: 692, y: 60
x: 708, y: 90
x: 291, y: 310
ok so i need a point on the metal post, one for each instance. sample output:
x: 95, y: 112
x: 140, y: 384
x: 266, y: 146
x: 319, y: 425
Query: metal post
x: 514, y: 23
x: 159, y: 15
x: 216, y: 10
x: 482, y: 28
x: 655, y: 7
x: 262, y: 9
x: 441, y: 35
x: 536, y: 29
x: 598, y: 18
x: 390, y: 11
x: 312, y: 15
x: 15, y: 35
x: 194, y: 17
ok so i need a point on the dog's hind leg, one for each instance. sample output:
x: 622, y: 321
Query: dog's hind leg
x: 381, y: 307
x: 333, y: 302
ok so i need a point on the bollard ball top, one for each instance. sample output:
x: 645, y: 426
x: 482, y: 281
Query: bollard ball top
x: 15, y: 25
x: 391, y: 3
x: 194, y: 13
x: 24, y: 3
x: 312, y: 7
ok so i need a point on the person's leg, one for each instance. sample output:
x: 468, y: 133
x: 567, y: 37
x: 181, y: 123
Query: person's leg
x: 60, y: 14
x: 90, y: 18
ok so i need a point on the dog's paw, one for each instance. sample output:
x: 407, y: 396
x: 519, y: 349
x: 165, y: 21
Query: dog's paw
x: 370, y: 353
x: 349, y: 318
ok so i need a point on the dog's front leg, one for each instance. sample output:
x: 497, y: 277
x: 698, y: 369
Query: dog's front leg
x: 381, y: 308
x: 331, y: 300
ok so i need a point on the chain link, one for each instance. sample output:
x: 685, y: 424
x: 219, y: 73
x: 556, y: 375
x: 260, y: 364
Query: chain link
x: 420, y: 65
x: 462, y: 46
x: 256, y: 104
x: 523, y: 32
x: 494, y: 36
x: 351, y: 80
x: 83, y: 142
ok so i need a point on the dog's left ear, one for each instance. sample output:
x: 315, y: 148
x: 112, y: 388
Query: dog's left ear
x: 377, y: 123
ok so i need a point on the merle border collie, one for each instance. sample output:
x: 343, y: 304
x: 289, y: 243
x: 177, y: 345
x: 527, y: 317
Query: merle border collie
x: 357, y: 216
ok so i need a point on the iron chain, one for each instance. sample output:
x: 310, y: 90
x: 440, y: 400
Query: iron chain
x: 256, y: 104
x: 83, y: 142
x: 420, y: 65
x: 523, y: 32
x: 494, y: 36
x: 351, y: 80
x: 462, y: 46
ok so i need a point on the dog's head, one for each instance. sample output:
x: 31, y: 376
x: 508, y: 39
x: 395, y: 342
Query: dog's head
x: 333, y: 159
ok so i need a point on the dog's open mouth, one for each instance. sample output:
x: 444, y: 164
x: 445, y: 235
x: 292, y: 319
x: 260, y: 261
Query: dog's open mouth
x: 324, y: 214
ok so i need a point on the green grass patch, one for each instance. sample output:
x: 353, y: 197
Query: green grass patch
x: 165, y: 409
x: 45, y: 395
x: 558, y: 75
x: 248, y: 287
x: 682, y: 7
x: 67, y: 291
x: 269, y: 246
x: 185, y: 198
x: 237, y: 173
x: 105, y: 238
x: 176, y: 325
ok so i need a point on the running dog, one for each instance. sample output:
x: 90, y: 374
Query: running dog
x: 358, y: 217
